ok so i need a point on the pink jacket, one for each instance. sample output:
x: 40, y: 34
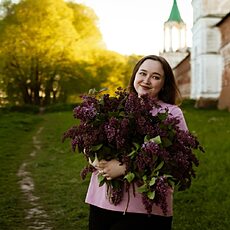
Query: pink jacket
x: 98, y: 195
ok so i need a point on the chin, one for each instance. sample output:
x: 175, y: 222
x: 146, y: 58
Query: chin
x: 142, y: 93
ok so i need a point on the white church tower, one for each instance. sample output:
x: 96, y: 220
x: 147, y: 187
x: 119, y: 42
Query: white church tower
x: 175, y: 32
x: 206, y: 61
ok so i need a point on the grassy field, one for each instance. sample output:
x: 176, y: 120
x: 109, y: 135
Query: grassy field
x: 55, y: 171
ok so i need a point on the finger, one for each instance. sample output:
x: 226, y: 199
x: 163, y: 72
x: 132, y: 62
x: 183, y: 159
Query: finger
x: 105, y: 175
x: 97, y: 167
x: 109, y: 178
x: 102, y: 163
x: 103, y: 172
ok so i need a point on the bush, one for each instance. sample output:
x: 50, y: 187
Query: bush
x: 32, y: 109
x: 59, y: 107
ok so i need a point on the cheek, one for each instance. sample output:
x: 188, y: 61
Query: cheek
x: 159, y: 84
x: 135, y: 83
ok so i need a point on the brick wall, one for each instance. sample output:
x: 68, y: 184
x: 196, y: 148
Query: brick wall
x: 224, y: 99
x: 182, y: 74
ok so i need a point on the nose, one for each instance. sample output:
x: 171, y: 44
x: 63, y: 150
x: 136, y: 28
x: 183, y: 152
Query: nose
x: 147, y: 79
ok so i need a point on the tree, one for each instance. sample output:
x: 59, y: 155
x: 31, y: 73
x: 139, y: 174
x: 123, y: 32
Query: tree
x: 40, y: 42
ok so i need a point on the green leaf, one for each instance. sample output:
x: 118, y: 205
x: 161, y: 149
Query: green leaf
x: 102, y: 90
x: 129, y: 176
x: 113, y: 114
x: 115, y: 183
x: 159, y: 166
x: 132, y: 153
x: 122, y: 114
x: 96, y: 147
x: 142, y: 189
x: 92, y: 91
x: 166, y: 142
x: 168, y: 176
x: 152, y: 181
x: 146, y: 138
x: 151, y: 195
x: 136, y: 145
x: 162, y: 116
x: 156, y: 139
x: 101, y: 179
x: 171, y: 183
x: 144, y: 178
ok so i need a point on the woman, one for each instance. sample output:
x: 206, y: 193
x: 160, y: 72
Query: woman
x: 152, y: 75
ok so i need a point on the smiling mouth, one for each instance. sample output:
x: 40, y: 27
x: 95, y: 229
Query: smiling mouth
x: 145, y: 87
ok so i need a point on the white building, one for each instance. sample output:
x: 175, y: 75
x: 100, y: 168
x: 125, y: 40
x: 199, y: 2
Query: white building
x: 206, y: 61
x: 175, y: 41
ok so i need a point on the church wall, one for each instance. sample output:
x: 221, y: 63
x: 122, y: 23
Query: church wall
x: 206, y: 60
x: 206, y: 38
x: 206, y: 76
x: 210, y: 72
x: 204, y: 8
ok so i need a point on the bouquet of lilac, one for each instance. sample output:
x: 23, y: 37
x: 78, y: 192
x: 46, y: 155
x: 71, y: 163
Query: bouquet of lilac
x: 157, y: 154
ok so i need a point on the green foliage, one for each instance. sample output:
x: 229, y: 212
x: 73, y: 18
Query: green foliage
x: 53, y: 51
x: 129, y: 64
x: 85, y: 21
x: 107, y: 70
x: 24, y: 109
x: 41, y: 44
x: 59, y: 107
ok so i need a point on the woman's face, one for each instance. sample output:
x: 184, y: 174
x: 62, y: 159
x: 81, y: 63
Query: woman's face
x: 149, y: 78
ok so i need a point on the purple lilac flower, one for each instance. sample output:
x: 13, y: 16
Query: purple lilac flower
x: 132, y: 104
x: 111, y: 129
x: 116, y: 193
x: 85, y: 113
x: 147, y: 203
x: 146, y: 158
x: 120, y: 121
x: 86, y: 170
x: 161, y: 188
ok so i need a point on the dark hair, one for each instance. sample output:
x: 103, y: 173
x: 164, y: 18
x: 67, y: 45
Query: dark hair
x: 169, y: 92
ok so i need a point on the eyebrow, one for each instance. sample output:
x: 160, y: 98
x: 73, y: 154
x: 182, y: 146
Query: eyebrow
x: 155, y: 73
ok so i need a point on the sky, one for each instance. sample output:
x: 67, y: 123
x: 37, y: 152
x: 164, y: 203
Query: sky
x: 136, y: 26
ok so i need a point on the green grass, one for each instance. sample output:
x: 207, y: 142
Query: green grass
x: 15, y: 135
x: 206, y: 204
x: 55, y: 170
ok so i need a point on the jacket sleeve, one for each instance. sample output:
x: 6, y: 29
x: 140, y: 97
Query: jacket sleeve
x: 177, y: 112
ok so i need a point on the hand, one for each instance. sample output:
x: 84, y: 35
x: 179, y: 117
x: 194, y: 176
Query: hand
x: 111, y: 169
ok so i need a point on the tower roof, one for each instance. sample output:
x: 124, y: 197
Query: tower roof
x: 175, y: 14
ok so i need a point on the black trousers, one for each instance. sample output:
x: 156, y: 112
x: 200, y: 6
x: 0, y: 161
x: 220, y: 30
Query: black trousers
x: 102, y: 219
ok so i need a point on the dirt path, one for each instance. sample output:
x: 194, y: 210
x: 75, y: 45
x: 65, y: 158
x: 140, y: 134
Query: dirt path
x: 35, y: 215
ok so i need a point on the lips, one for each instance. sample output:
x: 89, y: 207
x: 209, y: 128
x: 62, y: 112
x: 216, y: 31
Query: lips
x: 145, y: 87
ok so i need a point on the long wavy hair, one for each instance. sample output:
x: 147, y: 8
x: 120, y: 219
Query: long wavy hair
x: 169, y: 93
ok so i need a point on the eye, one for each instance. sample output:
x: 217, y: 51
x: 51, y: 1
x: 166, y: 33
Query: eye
x: 142, y: 73
x: 156, y: 77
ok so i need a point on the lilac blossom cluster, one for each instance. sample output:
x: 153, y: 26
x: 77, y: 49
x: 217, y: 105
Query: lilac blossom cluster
x: 157, y: 154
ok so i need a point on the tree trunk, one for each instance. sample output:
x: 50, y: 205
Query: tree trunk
x: 48, y: 91
x: 37, y: 85
x: 27, y: 99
